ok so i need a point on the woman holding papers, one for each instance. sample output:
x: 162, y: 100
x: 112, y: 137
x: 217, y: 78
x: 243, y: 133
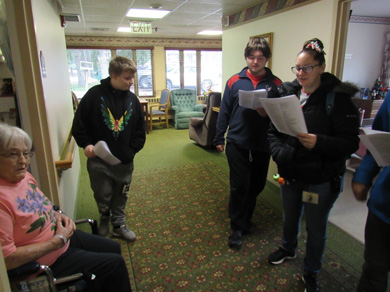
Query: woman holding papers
x: 377, y: 233
x: 247, y: 147
x: 313, y: 164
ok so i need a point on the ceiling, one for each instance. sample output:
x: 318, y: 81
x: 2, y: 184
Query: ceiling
x: 186, y: 19
x: 376, y: 8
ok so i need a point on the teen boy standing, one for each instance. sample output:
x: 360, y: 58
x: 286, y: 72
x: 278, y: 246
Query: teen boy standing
x: 110, y: 112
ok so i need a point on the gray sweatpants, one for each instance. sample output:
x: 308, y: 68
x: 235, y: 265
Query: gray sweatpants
x: 110, y: 185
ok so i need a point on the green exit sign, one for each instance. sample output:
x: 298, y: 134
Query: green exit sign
x: 141, y: 27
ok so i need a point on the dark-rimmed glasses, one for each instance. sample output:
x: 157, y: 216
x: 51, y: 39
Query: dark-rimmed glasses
x: 306, y: 69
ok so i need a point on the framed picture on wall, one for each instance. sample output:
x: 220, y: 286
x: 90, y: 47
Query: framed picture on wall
x: 268, y: 37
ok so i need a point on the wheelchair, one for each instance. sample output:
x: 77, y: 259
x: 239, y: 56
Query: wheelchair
x: 46, y: 282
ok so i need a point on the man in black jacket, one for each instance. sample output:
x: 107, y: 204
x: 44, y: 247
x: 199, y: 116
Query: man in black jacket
x: 109, y: 113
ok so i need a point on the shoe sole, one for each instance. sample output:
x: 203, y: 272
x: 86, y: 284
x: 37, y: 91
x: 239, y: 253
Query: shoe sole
x: 282, y: 260
x: 235, y: 245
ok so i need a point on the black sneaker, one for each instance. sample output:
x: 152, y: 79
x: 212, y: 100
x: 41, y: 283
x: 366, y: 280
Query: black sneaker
x: 235, y: 239
x: 279, y: 256
x: 311, y: 284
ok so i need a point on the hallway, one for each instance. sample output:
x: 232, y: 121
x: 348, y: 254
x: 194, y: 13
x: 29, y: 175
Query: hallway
x: 348, y: 213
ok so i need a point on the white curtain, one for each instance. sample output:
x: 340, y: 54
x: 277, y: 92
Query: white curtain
x: 385, y: 76
x: 4, y: 38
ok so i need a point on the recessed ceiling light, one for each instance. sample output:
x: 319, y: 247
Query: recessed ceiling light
x: 210, y: 32
x: 124, y: 29
x: 147, y: 13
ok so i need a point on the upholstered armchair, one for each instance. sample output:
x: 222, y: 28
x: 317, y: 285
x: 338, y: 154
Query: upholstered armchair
x: 184, y: 103
x: 203, y: 130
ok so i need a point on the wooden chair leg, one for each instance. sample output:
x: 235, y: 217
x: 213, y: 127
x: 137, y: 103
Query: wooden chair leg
x: 151, y: 122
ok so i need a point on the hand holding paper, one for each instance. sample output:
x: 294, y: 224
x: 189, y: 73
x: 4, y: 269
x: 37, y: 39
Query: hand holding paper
x: 102, y: 151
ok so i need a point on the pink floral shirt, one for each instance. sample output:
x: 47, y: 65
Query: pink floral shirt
x: 26, y: 217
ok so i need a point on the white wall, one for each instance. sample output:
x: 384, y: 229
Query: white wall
x: 365, y: 53
x: 50, y: 38
x: 290, y: 30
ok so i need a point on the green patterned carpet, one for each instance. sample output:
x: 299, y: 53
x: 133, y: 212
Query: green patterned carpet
x: 179, y: 214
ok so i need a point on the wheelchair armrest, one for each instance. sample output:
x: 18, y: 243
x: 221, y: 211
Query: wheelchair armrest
x: 92, y: 223
x: 24, y: 270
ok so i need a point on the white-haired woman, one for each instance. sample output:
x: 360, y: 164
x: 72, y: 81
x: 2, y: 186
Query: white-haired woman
x: 32, y: 231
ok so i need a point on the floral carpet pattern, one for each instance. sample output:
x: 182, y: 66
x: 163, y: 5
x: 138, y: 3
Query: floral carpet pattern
x: 180, y: 217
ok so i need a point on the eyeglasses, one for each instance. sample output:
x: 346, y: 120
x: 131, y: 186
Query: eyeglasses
x: 306, y: 69
x: 259, y: 59
x: 16, y: 155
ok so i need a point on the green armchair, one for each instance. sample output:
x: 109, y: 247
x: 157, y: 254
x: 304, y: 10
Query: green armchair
x: 184, y: 103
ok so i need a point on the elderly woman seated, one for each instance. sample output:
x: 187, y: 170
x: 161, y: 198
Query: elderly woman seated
x: 32, y: 231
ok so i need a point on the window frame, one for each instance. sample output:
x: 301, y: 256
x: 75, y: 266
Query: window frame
x: 198, y: 52
x: 134, y: 53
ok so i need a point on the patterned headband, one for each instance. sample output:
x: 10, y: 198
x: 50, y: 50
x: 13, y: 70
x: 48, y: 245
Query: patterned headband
x: 314, y: 45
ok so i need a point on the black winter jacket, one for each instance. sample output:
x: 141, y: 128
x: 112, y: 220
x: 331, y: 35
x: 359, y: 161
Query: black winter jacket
x: 337, y: 134
x: 113, y: 116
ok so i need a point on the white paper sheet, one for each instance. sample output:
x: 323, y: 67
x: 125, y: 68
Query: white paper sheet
x: 101, y: 150
x: 251, y: 99
x: 378, y: 143
x: 286, y: 114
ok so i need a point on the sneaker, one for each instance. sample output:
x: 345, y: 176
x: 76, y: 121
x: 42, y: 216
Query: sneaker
x: 311, y: 284
x: 279, y: 256
x: 235, y: 239
x: 124, y: 232
x: 103, y: 225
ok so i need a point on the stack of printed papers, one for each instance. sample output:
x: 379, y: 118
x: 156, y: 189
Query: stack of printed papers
x: 378, y: 143
x: 285, y: 112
